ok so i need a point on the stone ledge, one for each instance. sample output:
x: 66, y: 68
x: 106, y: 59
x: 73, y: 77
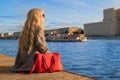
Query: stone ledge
x: 5, y: 74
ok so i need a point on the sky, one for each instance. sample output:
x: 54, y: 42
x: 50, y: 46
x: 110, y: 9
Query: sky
x: 58, y: 13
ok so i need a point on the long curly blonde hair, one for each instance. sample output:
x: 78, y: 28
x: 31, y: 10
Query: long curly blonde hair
x: 35, y: 20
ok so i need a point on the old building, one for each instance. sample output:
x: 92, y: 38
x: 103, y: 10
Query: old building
x: 68, y: 30
x: 8, y: 34
x: 110, y: 26
x: 16, y: 34
x: 65, y: 34
x: 1, y: 35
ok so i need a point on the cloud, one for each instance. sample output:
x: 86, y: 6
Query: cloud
x: 71, y: 2
x: 10, y: 27
x: 11, y: 16
x: 58, y: 12
x: 11, y: 19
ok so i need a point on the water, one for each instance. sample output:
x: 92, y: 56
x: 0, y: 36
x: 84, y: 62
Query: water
x: 98, y: 58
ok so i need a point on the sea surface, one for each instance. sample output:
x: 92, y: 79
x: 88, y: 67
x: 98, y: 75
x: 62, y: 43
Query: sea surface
x: 98, y: 58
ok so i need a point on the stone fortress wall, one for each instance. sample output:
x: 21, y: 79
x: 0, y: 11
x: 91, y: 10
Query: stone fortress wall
x: 110, y: 26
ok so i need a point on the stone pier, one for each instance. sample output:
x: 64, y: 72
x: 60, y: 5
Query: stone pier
x: 5, y: 74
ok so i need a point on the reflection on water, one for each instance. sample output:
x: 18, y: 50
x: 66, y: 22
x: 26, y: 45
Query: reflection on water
x: 95, y: 58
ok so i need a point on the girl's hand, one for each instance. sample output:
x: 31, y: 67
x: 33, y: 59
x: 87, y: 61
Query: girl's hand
x: 37, y: 52
x: 48, y: 51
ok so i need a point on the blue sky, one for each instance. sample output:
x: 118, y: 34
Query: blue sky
x: 59, y: 13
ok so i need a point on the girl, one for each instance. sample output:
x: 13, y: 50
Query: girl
x: 31, y: 40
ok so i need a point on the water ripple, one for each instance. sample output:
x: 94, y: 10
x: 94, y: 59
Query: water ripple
x: 96, y: 58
